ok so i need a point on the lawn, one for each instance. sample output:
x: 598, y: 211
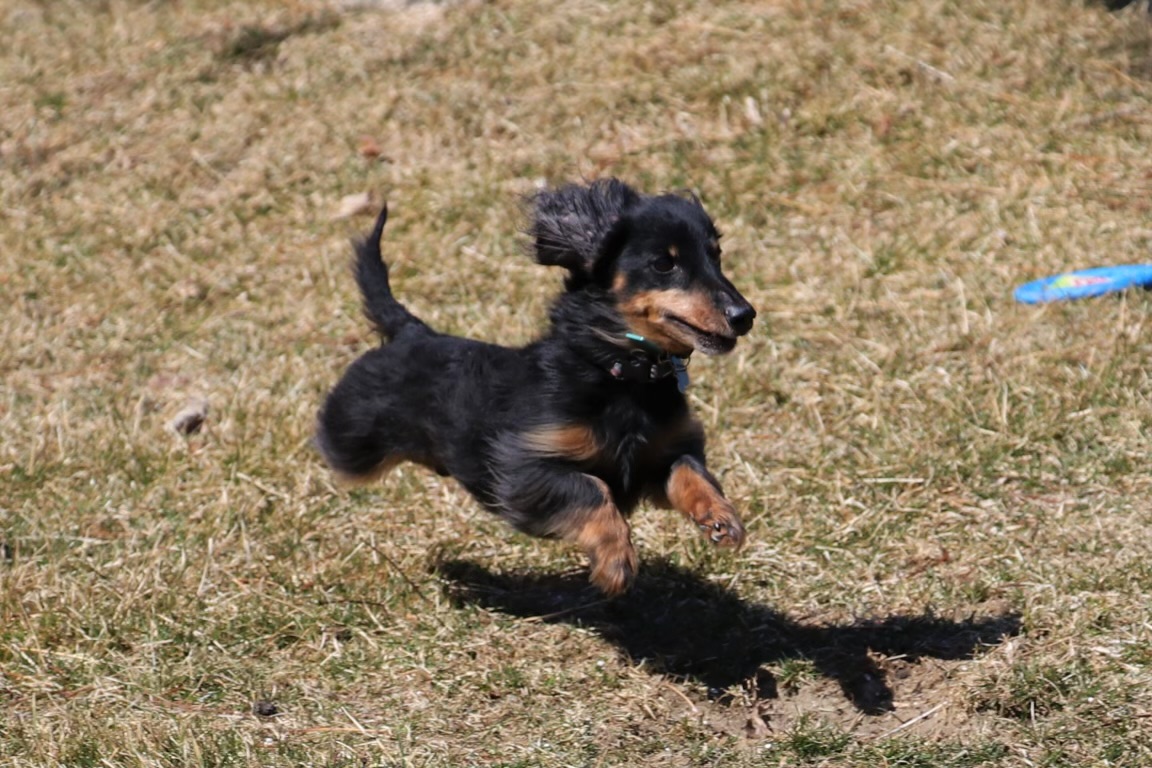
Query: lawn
x: 949, y: 558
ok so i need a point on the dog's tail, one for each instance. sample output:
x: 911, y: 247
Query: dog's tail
x: 388, y: 315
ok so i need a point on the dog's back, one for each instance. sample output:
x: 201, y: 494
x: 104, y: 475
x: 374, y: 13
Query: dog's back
x: 424, y: 397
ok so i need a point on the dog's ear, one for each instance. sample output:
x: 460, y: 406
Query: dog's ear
x: 573, y: 226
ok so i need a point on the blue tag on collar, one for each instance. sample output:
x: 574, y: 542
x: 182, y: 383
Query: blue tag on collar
x: 681, y: 368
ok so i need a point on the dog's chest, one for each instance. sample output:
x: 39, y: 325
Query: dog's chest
x: 625, y: 442
x: 624, y: 433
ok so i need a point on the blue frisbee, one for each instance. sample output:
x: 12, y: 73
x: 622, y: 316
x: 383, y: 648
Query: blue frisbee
x: 1084, y: 283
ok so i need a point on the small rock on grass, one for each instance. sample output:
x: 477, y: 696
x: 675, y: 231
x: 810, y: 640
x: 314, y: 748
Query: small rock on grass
x: 191, y: 418
x: 265, y: 708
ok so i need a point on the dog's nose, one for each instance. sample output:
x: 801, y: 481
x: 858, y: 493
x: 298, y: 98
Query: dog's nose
x: 740, y: 316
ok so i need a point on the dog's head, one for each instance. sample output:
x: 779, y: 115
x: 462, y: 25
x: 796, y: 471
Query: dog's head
x: 659, y: 256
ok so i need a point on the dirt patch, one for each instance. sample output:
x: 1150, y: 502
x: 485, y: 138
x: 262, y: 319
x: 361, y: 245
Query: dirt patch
x: 923, y: 703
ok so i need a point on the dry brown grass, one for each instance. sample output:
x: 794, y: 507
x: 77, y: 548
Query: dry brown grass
x: 949, y: 519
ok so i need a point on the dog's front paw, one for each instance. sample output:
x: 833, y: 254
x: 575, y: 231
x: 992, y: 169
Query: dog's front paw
x: 613, y: 568
x: 720, y: 523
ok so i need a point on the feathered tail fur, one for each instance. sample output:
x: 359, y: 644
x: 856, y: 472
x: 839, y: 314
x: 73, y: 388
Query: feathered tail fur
x: 388, y: 315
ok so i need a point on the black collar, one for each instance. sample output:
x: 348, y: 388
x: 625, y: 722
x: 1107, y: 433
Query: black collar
x: 646, y: 363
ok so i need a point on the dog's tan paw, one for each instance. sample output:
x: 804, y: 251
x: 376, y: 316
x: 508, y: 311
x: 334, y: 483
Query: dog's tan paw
x: 613, y: 569
x: 721, y: 525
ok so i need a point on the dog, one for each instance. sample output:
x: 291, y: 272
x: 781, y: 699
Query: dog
x: 565, y: 436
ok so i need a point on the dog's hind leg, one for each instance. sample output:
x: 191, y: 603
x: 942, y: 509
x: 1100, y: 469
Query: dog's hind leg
x: 578, y: 508
x: 604, y: 535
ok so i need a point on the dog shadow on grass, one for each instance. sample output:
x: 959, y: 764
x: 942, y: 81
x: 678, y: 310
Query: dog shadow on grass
x: 687, y: 628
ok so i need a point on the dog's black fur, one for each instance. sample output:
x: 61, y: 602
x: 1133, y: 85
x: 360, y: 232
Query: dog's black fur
x: 565, y: 436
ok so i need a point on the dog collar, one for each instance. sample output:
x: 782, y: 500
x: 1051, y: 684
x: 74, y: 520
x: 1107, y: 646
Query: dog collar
x: 649, y: 363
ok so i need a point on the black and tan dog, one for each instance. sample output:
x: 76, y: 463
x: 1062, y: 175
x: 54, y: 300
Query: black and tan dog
x: 563, y: 437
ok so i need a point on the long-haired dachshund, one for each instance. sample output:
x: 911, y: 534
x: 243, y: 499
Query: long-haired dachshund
x: 562, y: 437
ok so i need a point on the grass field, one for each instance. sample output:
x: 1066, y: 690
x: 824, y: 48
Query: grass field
x: 947, y: 494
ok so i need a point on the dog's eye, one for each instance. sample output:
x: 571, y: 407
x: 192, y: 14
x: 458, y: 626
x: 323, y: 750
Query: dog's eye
x: 666, y: 262
x: 663, y: 264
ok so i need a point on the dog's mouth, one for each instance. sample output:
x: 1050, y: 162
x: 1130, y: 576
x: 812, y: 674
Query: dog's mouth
x: 705, y: 341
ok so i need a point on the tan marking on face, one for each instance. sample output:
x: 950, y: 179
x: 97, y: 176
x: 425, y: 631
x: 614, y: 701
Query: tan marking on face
x: 673, y: 251
x: 562, y: 441
x: 646, y: 314
x: 604, y: 535
x: 619, y: 283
